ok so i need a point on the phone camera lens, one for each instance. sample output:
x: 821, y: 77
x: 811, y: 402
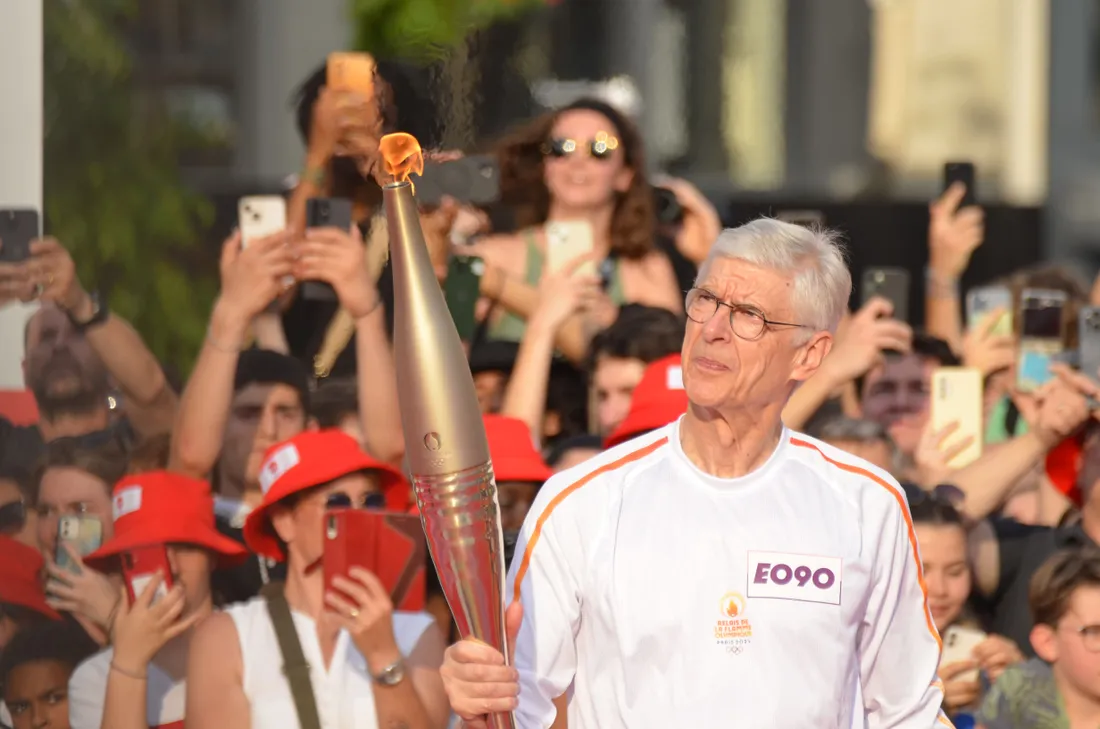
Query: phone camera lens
x: 255, y: 217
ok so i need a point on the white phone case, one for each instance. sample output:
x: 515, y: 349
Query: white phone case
x: 567, y: 240
x: 958, y: 645
x: 259, y: 216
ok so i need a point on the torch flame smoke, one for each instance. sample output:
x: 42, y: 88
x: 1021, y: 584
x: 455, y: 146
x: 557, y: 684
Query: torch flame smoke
x: 401, y: 155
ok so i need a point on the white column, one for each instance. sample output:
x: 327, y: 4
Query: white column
x: 20, y: 154
x: 1027, y: 102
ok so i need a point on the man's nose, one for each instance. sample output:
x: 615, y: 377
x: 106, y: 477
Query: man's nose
x: 718, y: 326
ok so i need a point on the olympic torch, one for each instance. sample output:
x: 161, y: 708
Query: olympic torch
x: 445, y: 444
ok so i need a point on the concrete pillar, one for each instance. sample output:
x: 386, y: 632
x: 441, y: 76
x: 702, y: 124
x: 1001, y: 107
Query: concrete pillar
x: 1025, y: 168
x: 20, y: 159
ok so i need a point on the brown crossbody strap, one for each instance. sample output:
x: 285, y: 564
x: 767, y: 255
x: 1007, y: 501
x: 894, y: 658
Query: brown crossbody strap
x: 295, y: 667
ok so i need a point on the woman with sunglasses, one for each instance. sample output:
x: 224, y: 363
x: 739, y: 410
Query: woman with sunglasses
x: 367, y: 664
x: 942, y: 538
x: 582, y: 163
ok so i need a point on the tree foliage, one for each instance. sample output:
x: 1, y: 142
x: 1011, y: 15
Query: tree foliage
x: 426, y: 29
x: 113, y: 191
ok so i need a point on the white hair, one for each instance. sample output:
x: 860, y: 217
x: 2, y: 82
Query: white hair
x: 822, y: 283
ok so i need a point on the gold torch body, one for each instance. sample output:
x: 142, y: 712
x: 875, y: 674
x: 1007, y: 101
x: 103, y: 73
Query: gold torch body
x: 445, y: 443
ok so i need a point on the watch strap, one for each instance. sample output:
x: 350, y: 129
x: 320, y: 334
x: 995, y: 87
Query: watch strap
x: 99, y: 314
x: 392, y: 674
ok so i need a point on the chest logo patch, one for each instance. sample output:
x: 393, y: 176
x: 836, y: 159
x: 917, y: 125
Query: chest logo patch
x: 802, y: 577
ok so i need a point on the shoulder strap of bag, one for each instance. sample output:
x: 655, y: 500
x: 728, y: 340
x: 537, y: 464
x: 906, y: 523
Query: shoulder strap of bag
x: 294, y: 661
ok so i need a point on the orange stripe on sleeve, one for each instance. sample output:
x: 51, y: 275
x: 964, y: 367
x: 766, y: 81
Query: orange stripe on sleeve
x: 944, y: 720
x: 554, y: 502
x: 908, y: 524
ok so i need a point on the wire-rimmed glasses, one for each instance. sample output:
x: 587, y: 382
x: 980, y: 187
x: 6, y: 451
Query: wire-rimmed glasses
x: 746, y: 321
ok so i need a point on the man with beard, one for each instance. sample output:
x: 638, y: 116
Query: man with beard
x: 75, y: 349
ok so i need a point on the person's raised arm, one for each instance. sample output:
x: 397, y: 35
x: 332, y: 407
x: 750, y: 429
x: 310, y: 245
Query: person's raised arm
x: 899, y: 648
x: 337, y: 257
x: 215, y: 677
x: 150, y: 402
x: 953, y: 234
x: 251, y: 278
x: 701, y: 225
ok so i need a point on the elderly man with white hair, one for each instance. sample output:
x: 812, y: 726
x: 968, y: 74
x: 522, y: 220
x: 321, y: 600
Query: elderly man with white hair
x: 722, y: 570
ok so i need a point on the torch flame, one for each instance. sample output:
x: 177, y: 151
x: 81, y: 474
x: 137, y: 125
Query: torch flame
x: 401, y: 155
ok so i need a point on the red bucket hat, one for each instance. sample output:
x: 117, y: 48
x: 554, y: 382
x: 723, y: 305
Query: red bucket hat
x: 21, y: 578
x: 657, y: 400
x: 512, y: 450
x: 313, y: 458
x: 159, y: 507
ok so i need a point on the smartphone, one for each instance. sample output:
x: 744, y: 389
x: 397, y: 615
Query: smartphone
x: 390, y: 545
x: 567, y: 240
x: 980, y: 302
x: 667, y: 207
x: 1041, y: 336
x: 350, y: 71
x: 957, y: 398
x: 140, y: 567
x: 83, y: 534
x: 259, y: 216
x: 325, y: 212
x: 958, y: 645
x: 473, y: 180
x: 462, y: 291
x: 891, y: 284
x: 961, y: 172
x: 18, y: 228
x: 1088, y: 342
x: 805, y: 218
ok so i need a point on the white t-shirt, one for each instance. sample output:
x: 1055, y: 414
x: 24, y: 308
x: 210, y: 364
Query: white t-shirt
x: 165, y: 700
x: 660, y: 596
x: 344, y: 693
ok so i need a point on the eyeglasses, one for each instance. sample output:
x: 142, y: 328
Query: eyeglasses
x: 13, y: 516
x: 343, y: 501
x: 600, y: 148
x: 747, y: 322
x: 1090, y: 637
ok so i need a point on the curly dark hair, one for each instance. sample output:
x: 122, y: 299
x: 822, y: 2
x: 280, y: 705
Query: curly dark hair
x: 521, y: 155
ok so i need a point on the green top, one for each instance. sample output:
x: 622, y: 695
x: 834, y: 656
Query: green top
x: 1024, y: 697
x: 995, y: 429
x: 509, y: 327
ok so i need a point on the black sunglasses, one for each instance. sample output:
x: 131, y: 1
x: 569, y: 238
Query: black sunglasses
x: 601, y: 148
x: 945, y: 493
x: 13, y: 516
x: 343, y: 501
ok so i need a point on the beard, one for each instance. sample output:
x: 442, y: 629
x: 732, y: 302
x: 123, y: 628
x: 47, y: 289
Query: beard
x: 62, y: 386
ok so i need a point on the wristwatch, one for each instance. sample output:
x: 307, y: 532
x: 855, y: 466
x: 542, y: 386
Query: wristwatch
x: 391, y: 675
x: 99, y: 314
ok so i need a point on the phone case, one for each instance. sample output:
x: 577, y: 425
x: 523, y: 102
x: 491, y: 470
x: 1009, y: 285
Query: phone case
x: 17, y: 229
x: 350, y: 71
x: 328, y: 212
x: 260, y: 216
x: 891, y: 284
x: 567, y: 240
x: 957, y: 398
x: 958, y: 645
x: 981, y: 301
x: 963, y: 172
x: 388, y: 544
x: 83, y: 533
x: 473, y: 180
x: 140, y: 567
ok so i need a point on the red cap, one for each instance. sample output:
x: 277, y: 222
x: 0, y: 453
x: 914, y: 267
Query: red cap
x: 21, y: 577
x: 512, y: 450
x: 313, y: 458
x: 1063, y: 466
x: 159, y: 507
x: 657, y: 400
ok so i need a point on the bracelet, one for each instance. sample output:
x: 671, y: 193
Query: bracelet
x: 939, y: 287
x: 314, y: 176
x: 219, y: 346
x: 128, y: 674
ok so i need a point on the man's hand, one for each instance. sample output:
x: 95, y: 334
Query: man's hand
x: 953, y: 234
x: 986, y: 351
x: 866, y: 336
x: 337, y: 258
x: 476, y: 679
x: 253, y: 276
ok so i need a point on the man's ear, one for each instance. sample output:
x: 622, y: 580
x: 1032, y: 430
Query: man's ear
x: 1045, y: 643
x: 811, y: 355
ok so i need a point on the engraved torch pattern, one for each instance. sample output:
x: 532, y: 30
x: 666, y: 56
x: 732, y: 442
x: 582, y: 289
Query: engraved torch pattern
x: 446, y: 448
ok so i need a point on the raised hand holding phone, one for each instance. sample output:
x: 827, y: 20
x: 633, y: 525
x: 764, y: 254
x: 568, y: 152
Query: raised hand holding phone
x: 81, y: 590
x: 143, y: 628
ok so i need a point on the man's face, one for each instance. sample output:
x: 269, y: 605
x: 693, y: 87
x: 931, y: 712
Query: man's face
x: 515, y: 499
x: 37, y: 695
x: 614, y: 379
x: 895, y: 395
x: 260, y: 416
x: 876, y: 452
x: 1075, y: 666
x: 60, y: 367
x: 721, y: 369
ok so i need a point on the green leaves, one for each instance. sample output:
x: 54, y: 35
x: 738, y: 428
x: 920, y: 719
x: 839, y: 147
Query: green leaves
x: 113, y: 192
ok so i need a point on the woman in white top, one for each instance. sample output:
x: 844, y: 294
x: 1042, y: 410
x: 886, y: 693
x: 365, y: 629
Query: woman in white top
x: 368, y: 665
